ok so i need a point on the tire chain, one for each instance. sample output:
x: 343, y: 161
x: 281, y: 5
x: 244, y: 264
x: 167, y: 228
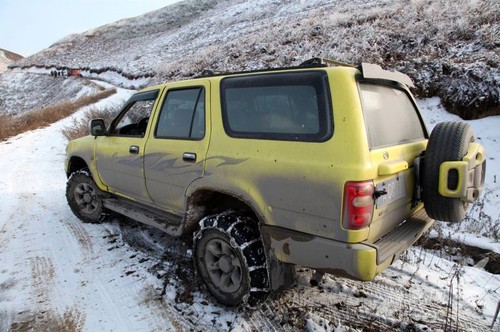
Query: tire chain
x: 249, y: 241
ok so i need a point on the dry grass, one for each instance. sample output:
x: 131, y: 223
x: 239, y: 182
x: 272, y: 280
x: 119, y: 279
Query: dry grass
x: 446, y: 47
x: 80, y: 128
x: 14, y: 125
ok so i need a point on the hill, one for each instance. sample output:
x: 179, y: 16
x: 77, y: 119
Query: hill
x: 7, y: 57
x: 449, y: 48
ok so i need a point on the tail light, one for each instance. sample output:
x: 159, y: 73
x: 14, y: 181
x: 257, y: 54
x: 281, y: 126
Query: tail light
x: 358, y: 204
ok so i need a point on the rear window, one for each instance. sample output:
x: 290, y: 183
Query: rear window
x: 390, y: 115
x: 285, y: 106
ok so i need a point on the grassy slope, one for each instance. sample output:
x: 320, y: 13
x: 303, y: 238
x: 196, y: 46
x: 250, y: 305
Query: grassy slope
x: 449, y: 48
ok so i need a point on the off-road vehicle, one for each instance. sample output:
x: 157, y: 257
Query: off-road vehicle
x: 327, y: 167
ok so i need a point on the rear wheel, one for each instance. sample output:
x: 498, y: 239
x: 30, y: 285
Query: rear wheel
x: 84, y: 197
x: 229, y: 257
x: 449, y: 141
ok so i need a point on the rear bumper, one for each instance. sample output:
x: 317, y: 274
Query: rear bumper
x: 361, y: 261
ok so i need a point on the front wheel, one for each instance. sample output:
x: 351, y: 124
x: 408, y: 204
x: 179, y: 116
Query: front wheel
x: 230, y: 259
x: 84, y: 197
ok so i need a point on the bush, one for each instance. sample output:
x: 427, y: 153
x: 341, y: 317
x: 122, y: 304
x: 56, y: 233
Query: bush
x: 80, y: 126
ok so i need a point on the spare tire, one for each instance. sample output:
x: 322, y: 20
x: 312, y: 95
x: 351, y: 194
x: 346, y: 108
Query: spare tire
x: 449, y: 141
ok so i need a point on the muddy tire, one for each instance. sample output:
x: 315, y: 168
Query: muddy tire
x: 85, y: 198
x: 448, y: 142
x: 229, y: 257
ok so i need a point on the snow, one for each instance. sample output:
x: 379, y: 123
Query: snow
x: 117, y: 79
x: 49, y: 259
x: 481, y: 228
x: 56, y: 271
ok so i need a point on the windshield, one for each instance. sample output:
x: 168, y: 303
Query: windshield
x: 390, y: 116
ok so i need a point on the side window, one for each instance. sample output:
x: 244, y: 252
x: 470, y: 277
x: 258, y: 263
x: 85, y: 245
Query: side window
x: 285, y: 106
x: 182, y: 115
x: 133, y: 119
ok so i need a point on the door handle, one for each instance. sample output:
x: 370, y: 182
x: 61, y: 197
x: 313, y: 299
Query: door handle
x: 133, y: 149
x: 189, y: 156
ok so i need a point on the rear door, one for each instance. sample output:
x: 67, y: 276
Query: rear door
x: 397, y: 135
x: 175, y: 154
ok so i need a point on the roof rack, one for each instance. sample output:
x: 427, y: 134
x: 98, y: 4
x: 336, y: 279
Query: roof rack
x: 310, y: 63
x: 207, y: 73
x: 369, y: 71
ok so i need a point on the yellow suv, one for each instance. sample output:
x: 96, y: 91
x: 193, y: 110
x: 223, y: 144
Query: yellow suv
x: 328, y: 167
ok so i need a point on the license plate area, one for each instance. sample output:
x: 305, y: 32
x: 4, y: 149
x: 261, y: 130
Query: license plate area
x: 390, y: 190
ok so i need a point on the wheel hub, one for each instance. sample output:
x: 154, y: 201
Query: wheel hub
x: 225, y: 264
x: 87, y: 197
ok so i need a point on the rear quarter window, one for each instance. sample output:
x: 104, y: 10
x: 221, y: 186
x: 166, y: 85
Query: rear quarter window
x: 284, y: 106
x: 391, y: 117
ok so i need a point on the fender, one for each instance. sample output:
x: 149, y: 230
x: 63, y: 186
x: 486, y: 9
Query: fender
x: 83, y: 148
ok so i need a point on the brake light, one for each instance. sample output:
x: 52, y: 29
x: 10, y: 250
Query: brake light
x: 358, y: 204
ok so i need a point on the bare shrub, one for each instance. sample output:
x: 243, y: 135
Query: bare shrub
x: 80, y: 128
x: 5, y: 127
x: 14, y: 125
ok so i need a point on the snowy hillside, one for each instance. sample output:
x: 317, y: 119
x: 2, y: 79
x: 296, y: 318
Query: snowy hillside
x: 450, y: 48
x: 30, y: 91
x: 60, y: 274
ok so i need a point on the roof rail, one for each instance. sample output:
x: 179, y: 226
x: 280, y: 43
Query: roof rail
x: 311, y: 63
x: 370, y: 71
x: 322, y: 62
x: 207, y: 73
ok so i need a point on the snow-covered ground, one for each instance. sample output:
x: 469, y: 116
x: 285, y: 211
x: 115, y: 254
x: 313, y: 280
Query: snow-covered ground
x: 57, y: 273
x: 481, y: 228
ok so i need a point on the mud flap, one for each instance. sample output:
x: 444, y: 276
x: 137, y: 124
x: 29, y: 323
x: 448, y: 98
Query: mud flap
x: 281, y: 275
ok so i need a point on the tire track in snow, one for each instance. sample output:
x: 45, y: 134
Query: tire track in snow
x: 3, y: 235
x: 42, y: 274
x: 161, y: 308
x: 136, y: 238
x: 362, y: 305
x: 82, y: 237
x: 424, y: 307
x: 15, y: 196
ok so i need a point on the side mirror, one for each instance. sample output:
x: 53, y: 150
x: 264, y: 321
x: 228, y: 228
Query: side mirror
x: 97, y: 127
